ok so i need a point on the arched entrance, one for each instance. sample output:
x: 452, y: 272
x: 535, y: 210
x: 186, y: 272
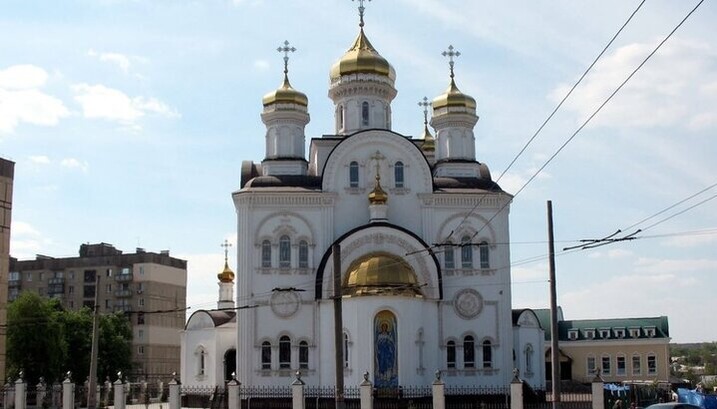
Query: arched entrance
x: 385, y: 350
x: 230, y: 363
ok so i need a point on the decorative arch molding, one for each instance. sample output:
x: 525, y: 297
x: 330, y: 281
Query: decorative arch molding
x: 289, y: 223
x: 390, y: 143
x: 385, y: 237
x: 472, y: 220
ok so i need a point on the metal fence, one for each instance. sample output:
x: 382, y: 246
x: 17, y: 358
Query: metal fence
x: 204, y: 397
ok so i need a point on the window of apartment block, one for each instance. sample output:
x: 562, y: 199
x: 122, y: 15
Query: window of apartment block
x: 589, y: 333
x: 108, y: 288
x: 88, y: 291
x: 604, y: 333
x: 141, y: 302
x: 651, y: 364
x: 41, y: 291
x: 590, y: 365
x: 126, y: 270
x: 90, y: 276
x: 606, y: 365
x: 636, y: 365
x: 141, y: 270
x: 14, y: 276
x: 621, y: 366
x: 71, y: 275
x: 28, y: 276
x: 140, y: 318
x: 634, y: 332
x: 140, y: 334
x: 108, y: 272
x: 649, y: 332
x: 619, y: 332
x: 71, y: 289
x: 572, y: 334
x: 140, y: 350
x: 108, y: 304
x: 41, y: 276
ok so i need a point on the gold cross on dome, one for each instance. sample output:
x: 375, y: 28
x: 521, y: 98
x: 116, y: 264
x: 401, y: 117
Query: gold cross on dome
x: 226, y: 246
x: 425, y: 104
x: 286, y: 49
x: 450, y: 54
x: 361, y: 9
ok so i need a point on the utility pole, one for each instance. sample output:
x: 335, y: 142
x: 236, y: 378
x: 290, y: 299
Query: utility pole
x: 554, y: 352
x: 92, y: 392
x: 338, y: 328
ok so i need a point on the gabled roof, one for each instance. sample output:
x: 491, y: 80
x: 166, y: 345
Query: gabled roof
x: 660, y: 325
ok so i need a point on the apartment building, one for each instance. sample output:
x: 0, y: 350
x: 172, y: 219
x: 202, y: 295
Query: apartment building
x: 149, y: 287
x: 7, y: 170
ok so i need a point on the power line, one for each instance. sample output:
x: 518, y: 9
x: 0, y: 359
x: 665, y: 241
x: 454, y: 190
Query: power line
x: 545, y: 122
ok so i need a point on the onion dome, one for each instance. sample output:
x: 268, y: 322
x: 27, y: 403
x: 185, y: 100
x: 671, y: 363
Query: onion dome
x: 285, y: 94
x: 429, y: 142
x: 378, y: 196
x: 226, y: 276
x: 362, y: 58
x: 381, y: 273
x: 453, y: 97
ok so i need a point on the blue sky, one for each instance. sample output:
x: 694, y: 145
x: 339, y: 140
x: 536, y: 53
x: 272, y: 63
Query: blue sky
x: 129, y: 119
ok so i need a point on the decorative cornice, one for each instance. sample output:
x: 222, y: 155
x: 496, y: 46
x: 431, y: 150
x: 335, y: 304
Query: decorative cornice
x: 482, y: 200
x: 280, y: 198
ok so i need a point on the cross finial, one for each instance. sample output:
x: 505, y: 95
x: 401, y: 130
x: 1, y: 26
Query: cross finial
x: 226, y: 246
x: 378, y: 157
x: 450, y: 54
x: 361, y: 9
x: 425, y: 104
x: 286, y: 49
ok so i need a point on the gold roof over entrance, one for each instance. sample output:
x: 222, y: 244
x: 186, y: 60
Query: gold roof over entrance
x: 381, y: 273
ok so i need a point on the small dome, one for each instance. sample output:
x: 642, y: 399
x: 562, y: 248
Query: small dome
x: 453, y: 97
x: 362, y: 58
x: 378, y: 195
x: 429, y: 142
x: 381, y: 274
x: 226, y: 276
x: 285, y: 94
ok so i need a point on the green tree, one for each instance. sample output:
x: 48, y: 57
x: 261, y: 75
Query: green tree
x: 35, y: 338
x: 115, y: 350
x: 45, y: 340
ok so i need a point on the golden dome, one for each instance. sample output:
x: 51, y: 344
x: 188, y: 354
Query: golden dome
x: 453, y: 97
x: 381, y: 273
x: 226, y: 276
x: 285, y: 94
x: 378, y: 195
x: 429, y: 142
x: 362, y: 58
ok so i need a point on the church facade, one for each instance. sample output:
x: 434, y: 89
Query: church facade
x: 420, y: 232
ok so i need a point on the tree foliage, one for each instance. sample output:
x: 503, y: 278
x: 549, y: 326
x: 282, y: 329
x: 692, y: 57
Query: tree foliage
x: 46, y: 340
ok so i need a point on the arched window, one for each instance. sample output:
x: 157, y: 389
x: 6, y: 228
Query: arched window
x: 466, y: 252
x: 449, y: 257
x: 266, y: 355
x: 266, y: 253
x: 398, y: 174
x: 303, y: 355
x: 284, y: 251
x: 451, y: 354
x: 487, y: 354
x: 341, y: 117
x: 201, y: 361
x: 484, y: 255
x: 364, y: 113
x: 303, y: 254
x: 346, y: 350
x: 528, y: 359
x: 284, y: 352
x: 469, y: 352
x: 353, y: 174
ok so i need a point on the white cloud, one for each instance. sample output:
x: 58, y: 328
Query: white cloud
x: 101, y: 102
x: 261, y: 65
x: 665, y: 92
x: 39, y: 160
x: 73, y: 163
x: 22, y: 101
x: 619, y: 253
x: 122, y: 61
x: 26, y: 240
x: 22, y: 77
x: 668, y: 266
x: 685, y: 241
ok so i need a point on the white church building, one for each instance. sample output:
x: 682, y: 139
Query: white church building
x: 424, y: 269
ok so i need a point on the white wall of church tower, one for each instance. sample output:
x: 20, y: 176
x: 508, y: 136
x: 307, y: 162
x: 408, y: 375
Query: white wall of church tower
x: 361, y: 101
x: 454, y: 136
